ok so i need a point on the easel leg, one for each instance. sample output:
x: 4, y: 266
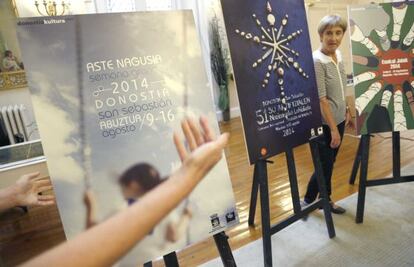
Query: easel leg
x: 396, y: 155
x: 171, y: 260
x: 265, y: 211
x: 355, y: 167
x: 253, y: 197
x: 363, y: 178
x: 322, y: 188
x: 224, y: 249
x: 293, y: 181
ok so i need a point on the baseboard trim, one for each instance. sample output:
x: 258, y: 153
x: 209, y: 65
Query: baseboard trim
x: 234, y: 113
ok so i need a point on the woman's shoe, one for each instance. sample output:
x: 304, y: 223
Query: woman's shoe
x: 303, y: 205
x: 337, y: 209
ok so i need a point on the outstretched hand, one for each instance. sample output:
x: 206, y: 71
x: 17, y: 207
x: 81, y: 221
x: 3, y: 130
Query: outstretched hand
x: 27, y: 189
x: 204, y: 149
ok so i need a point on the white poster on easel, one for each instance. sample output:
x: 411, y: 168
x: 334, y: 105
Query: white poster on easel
x: 109, y: 92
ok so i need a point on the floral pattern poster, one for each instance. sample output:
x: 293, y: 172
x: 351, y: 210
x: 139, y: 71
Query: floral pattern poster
x: 383, y: 66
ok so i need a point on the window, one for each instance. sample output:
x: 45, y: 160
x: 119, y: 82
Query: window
x: 158, y: 4
x: 120, y: 5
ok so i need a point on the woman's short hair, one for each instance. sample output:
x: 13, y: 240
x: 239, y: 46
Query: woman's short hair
x: 331, y: 21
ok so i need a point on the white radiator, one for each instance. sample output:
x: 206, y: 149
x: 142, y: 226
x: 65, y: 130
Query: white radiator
x: 16, y: 122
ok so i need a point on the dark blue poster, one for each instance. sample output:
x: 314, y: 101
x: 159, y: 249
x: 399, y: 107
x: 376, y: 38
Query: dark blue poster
x: 273, y: 69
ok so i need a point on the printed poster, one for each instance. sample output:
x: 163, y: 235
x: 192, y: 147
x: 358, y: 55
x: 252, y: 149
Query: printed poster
x: 108, y: 91
x: 383, y: 65
x: 274, y: 73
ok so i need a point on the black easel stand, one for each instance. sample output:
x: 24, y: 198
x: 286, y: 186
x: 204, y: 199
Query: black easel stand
x: 171, y: 259
x: 396, y: 173
x: 356, y: 164
x: 260, y: 179
x: 223, y: 247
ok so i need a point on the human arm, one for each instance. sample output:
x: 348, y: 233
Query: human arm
x: 112, y: 238
x: 349, y: 122
x: 90, y: 204
x: 329, y: 118
x: 25, y: 192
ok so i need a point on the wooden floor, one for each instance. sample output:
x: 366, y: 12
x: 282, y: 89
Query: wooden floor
x: 25, y: 235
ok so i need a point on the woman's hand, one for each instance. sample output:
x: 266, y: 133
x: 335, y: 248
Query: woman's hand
x: 349, y: 122
x: 205, y: 150
x: 27, y: 189
x: 335, y: 138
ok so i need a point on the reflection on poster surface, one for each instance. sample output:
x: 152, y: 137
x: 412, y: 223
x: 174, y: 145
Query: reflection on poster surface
x: 108, y: 92
x: 383, y: 63
x: 273, y: 67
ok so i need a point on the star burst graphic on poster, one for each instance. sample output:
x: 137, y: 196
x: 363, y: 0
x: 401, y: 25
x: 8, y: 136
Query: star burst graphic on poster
x: 276, y: 51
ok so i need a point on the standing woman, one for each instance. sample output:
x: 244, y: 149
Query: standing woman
x: 331, y: 81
